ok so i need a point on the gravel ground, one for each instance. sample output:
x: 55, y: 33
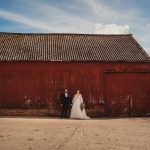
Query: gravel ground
x: 66, y: 134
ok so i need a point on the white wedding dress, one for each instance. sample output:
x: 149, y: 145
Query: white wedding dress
x: 76, y: 112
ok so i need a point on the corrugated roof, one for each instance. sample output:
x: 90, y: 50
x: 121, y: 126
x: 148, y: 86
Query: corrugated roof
x: 70, y: 47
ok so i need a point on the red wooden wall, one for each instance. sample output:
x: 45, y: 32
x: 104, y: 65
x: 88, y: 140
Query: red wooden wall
x: 109, y: 89
x: 128, y: 94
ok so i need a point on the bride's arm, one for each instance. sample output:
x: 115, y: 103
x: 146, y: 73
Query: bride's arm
x: 81, y: 99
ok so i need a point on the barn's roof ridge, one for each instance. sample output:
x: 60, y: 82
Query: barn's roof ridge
x: 64, y: 33
x: 70, y: 47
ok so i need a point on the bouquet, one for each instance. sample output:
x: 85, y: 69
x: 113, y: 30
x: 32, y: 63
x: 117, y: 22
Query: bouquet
x: 82, y: 106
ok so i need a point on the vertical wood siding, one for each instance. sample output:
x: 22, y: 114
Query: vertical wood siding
x: 105, y: 94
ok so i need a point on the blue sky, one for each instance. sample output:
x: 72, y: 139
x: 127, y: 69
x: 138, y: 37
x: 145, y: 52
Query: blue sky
x: 78, y: 16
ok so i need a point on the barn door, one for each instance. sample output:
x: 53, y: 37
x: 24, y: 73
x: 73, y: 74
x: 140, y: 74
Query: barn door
x: 140, y: 93
x: 127, y: 94
x: 117, y: 94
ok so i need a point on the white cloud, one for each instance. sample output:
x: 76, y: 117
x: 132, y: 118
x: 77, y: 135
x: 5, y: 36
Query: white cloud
x: 111, y: 29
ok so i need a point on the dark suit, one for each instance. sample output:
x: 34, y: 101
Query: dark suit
x: 65, y: 104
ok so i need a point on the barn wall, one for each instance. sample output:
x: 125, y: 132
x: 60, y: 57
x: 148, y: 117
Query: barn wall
x: 43, y: 83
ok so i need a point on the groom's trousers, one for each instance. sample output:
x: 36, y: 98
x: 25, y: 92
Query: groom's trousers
x: 64, y: 111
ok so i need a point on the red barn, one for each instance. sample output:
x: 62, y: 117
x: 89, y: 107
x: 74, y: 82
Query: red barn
x: 111, y: 71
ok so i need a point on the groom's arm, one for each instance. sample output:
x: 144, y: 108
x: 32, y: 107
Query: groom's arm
x: 61, y: 100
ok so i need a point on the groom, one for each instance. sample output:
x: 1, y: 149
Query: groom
x: 65, y: 103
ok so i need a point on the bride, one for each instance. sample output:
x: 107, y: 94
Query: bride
x: 77, y: 110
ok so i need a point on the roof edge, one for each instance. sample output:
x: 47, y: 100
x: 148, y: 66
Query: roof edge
x: 65, y: 61
x: 142, y: 49
x: 45, y: 33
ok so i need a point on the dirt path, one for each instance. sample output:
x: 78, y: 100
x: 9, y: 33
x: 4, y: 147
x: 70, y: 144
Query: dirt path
x: 61, y: 134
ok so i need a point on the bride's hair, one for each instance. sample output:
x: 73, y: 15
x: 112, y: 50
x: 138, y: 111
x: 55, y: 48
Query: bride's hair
x: 78, y: 90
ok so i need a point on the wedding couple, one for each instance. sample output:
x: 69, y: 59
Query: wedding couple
x: 78, y: 106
